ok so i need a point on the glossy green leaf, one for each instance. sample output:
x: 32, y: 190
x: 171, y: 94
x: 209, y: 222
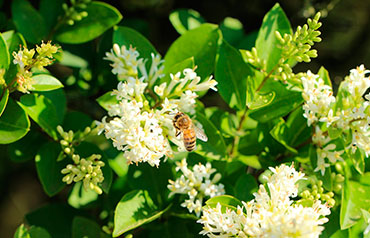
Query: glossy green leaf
x: 3, y: 100
x: 59, y: 100
x: 106, y: 100
x: 200, y: 43
x: 185, y: 19
x: 85, y: 149
x: 83, y: 227
x: 28, y: 21
x: 4, y: 54
x: 45, y: 82
x: 234, y: 77
x: 354, y: 198
x: 49, y: 169
x: 72, y: 60
x: 101, y: 17
x: 134, y: 209
x: 31, y: 232
x: 14, y: 41
x: 266, y: 43
x: 21, y: 232
x: 215, y: 147
x: 245, y: 186
x: 42, y: 111
x: 226, y: 201
x: 155, y: 181
x: 26, y: 148
x: 55, y: 218
x: 179, y: 67
x: 284, y: 102
x: 324, y: 75
x: 131, y: 38
x: 292, y: 133
x: 14, y: 123
x: 79, y: 197
x: 232, y: 31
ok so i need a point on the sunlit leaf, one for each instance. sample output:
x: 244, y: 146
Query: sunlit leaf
x: 101, y: 17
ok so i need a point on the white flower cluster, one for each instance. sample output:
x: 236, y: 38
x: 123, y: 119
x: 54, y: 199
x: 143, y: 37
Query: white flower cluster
x: 318, y: 99
x: 141, y: 123
x: 87, y: 170
x: 271, y: 214
x: 197, y: 184
x: 348, y: 112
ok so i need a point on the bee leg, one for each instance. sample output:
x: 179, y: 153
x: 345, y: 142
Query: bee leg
x: 177, y: 133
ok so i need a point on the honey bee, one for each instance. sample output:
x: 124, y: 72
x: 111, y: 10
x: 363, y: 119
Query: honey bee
x: 190, y: 132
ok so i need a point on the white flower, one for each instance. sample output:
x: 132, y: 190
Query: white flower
x: 197, y: 184
x: 318, y: 99
x: 321, y: 165
x: 330, y: 118
x: 186, y: 103
x: 125, y: 61
x: 271, y: 214
x: 18, y: 57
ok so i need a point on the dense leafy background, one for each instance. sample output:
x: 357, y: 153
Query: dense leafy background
x: 86, y: 76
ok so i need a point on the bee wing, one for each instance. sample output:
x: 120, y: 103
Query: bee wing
x: 200, y: 133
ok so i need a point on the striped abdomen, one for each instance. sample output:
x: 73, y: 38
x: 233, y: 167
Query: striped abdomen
x: 189, y: 139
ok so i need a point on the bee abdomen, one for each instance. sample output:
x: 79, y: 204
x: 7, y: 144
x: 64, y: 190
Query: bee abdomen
x: 189, y: 140
x: 189, y: 146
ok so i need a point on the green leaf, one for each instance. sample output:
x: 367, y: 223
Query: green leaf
x: 83, y: 227
x: 45, y: 82
x: 324, y: 75
x: 106, y: 100
x: 38, y: 232
x: 245, y: 186
x: 284, y: 102
x: 234, y: 77
x: 232, y: 30
x: 266, y: 43
x: 14, y: 123
x: 72, y: 60
x: 85, y: 149
x: 354, y: 198
x: 21, y: 232
x: 26, y: 148
x: 4, y: 54
x: 134, y: 209
x: 49, y: 169
x: 154, y: 181
x: 58, y: 98
x: 4, y: 100
x: 226, y: 201
x: 14, y: 41
x: 215, y: 147
x: 200, y: 43
x: 179, y: 67
x: 32, y: 232
x: 55, y: 218
x: 28, y: 21
x: 79, y: 197
x: 43, y: 112
x: 185, y: 19
x: 131, y: 38
x: 293, y: 132
x: 101, y: 17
